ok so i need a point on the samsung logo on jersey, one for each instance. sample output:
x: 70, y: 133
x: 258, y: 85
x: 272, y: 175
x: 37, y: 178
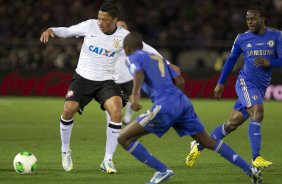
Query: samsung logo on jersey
x: 260, y: 52
x: 101, y: 51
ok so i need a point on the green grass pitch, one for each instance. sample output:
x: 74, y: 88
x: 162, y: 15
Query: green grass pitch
x: 32, y: 124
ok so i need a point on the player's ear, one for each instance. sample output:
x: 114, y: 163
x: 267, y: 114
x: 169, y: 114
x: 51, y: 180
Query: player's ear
x: 115, y: 20
x: 263, y: 20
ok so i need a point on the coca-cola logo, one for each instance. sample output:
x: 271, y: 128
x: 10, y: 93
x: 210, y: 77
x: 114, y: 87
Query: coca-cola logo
x: 52, y: 83
x: 55, y: 83
x: 274, y: 92
x: 204, y: 88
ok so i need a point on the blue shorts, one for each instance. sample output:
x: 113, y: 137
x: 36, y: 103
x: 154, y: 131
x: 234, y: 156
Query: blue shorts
x: 248, y: 95
x: 173, y: 111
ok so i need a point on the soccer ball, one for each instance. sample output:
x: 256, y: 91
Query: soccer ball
x: 25, y: 163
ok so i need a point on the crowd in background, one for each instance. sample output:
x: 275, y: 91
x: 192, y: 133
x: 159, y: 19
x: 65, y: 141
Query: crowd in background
x: 172, y: 24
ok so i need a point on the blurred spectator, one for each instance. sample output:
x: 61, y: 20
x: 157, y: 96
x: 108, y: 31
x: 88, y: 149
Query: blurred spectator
x: 168, y: 23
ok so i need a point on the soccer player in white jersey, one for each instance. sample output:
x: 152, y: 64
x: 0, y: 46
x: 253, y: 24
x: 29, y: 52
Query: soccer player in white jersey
x: 94, y: 78
x: 124, y: 80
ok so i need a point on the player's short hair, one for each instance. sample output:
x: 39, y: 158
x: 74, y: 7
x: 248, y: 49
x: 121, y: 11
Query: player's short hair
x: 110, y: 8
x: 133, y: 40
x: 261, y: 10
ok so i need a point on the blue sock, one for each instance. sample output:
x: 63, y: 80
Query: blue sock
x: 229, y: 154
x: 255, y: 138
x: 218, y: 133
x: 141, y: 154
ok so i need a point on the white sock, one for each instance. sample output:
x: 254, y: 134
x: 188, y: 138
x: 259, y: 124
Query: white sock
x: 65, y: 131
x: 108, y: 118
x: 128, y: 113
x: 113, y: 130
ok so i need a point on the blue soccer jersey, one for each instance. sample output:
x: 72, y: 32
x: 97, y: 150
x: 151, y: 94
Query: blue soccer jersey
x: 171, y: 107
x: 253, y: 81
x: 267, y: 45
x: 158, y: 76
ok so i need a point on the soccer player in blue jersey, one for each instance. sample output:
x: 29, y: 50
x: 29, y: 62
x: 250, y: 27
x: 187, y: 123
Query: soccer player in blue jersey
x: 262, y: 49
x: 171, y: 108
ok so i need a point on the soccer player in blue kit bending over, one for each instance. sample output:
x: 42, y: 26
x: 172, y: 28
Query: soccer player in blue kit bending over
x: 262, y: 49
x: 171, y: 108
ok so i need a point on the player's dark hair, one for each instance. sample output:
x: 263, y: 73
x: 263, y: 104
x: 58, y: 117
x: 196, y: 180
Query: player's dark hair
x: 261, y: 10
x: 110, y: 8
x: 134, y: 41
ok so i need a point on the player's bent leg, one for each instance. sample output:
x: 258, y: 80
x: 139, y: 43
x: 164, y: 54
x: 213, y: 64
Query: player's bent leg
x: 131, y: 133
x: 66, y: 125
x: 202, y: 139
x: 113, y: 108
x: 235, y: 119
x: 228, y: 153
x: 128, y: 140
x: 70, y: 108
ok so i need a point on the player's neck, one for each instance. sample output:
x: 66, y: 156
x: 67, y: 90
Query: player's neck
x: 112, y: 31
x: 262, y: 30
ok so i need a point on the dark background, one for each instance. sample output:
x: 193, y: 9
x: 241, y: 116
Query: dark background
x: 197, y: 35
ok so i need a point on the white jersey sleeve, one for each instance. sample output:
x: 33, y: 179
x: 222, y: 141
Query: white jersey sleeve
x: 122, y: 70
x: 73, y: 31
x: 150, y: 49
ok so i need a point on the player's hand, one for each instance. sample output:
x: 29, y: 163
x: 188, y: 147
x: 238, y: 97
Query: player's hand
x: 261, y: 62
x: 218, y: 91
x: 46, y: 35
x: 135, y: 106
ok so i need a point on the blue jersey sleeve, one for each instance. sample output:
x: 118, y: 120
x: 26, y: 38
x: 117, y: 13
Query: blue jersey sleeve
x: 135, y: 63
x: 231, y: 60
x: 278, y: 62
x: 172, y: 72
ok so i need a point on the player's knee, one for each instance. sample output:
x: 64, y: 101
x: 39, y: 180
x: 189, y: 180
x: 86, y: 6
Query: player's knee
x: 122, y: 141
x: 68, y: 113
x: 229, y: 126
x: 258, y: 116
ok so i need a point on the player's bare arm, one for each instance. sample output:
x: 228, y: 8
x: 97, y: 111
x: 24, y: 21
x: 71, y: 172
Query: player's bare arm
x: 176, y: 68
x: 179, y: 82
x: 137, y: 82
x: 218, y: 91
x: 46, y: 35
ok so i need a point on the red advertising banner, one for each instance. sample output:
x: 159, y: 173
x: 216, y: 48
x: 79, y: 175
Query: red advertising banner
x: 52, y: 83
x: 55, y: 83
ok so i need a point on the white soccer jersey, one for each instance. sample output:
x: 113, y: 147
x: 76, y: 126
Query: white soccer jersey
x: 122, y: 70
x: 99, y: 52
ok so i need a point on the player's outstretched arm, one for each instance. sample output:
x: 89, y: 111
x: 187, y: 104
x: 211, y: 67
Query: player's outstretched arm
x: 262, y: 62
x: 218, y: 91
x: 44, y: 38
x: 179, y: 82
x: 138, y: 79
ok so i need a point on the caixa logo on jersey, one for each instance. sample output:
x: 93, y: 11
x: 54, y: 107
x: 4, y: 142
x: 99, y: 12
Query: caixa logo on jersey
x: 101, y: 51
